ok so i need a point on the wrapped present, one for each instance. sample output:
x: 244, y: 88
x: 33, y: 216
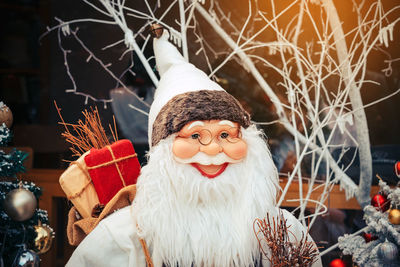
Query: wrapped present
x: 76, y: 184
x: 112, y: 168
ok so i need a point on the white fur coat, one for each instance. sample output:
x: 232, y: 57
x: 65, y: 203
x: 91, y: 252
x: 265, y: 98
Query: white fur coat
x: 114, y: 242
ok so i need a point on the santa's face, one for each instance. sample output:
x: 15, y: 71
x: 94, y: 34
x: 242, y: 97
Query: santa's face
x: 196, y: 212
x: 209, y: 146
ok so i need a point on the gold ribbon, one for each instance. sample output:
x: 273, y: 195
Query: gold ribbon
x: 114, y: 161
x: 88, y: 182
x: 86, y: 168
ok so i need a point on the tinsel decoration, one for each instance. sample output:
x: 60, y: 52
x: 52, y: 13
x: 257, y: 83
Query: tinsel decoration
x: 5, y: 134
x: 282, y: 252
x: 13, y: 163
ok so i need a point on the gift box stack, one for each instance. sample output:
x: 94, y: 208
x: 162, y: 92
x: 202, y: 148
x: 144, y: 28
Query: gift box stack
x: 97, y: 176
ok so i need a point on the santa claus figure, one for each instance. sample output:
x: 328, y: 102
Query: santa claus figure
x: 209, y: 176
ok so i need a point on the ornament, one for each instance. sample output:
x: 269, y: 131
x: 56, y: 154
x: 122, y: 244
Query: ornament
x: 5, y: 115
x: 44, y: 238
x: 394, y: 216
x: 156, y: 30
x: 26, y: 258
x: 20, y: 204
x: 388, y: 251
x: 397, y: 169
x: 369, y: 237
x: 380, y: 202
x: 337, y: 263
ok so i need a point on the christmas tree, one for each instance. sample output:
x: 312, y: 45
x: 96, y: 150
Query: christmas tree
x: 24, y: 233
x: 379, y: 244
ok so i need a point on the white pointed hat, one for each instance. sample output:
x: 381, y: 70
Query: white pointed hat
x: 186, y: 93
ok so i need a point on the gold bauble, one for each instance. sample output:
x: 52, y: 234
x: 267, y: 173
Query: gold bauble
x: 44, y: 238
x: 394, y: 216
x: 20, y: 204
x: 6, y: 115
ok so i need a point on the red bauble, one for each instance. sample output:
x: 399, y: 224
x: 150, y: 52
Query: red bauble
x: 397, y: 168
x: 337, y: 263
x: 369, y: 237
x: 380, y: 202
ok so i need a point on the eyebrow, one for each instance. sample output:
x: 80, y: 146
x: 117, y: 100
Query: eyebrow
x: 226, y: 122
x: 195, y: 123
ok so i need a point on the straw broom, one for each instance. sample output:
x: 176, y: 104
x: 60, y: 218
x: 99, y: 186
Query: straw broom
x: 86, y: 134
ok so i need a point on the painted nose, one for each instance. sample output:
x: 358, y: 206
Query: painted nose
x: 211, y: 149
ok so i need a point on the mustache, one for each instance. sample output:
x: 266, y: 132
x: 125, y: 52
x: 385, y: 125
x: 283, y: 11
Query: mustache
x: 204, y: 159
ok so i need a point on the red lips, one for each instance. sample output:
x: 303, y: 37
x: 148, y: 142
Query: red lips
x: 210, y: 176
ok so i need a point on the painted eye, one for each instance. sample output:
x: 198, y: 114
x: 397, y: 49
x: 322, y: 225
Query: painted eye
x: 195, y: 136
x: 224, y: 135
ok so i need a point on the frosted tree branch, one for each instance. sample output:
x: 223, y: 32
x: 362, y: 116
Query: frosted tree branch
x: 317, y: 99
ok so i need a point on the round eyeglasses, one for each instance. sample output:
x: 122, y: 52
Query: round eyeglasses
x: 205, y: 137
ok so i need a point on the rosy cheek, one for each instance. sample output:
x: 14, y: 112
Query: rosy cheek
x: 182, y: 149
x: 237, y: 150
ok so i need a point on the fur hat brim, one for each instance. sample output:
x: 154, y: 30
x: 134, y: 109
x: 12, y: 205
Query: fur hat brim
x: 198, y: 105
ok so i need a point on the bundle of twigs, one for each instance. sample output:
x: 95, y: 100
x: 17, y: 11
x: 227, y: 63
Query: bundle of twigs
x: 281, y: 251
x: 86, y: 134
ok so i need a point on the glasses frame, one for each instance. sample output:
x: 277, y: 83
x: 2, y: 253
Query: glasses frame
x: 211, y: 138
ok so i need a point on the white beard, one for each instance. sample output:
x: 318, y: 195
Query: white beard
x: 187, y: 219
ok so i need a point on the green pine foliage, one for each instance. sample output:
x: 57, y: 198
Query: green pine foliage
x: 13, y: 163
x: 13, y: 234
x: 17, y: 233
x: 5, y: 135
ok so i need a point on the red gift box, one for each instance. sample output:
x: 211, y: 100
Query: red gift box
x: 112, y: 168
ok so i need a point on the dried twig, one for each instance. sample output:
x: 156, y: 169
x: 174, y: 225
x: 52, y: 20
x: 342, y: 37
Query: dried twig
x: 276, y: 245
x: 86, y: 134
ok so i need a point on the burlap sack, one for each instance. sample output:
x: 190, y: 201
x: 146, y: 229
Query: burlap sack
x: 77, y: 230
